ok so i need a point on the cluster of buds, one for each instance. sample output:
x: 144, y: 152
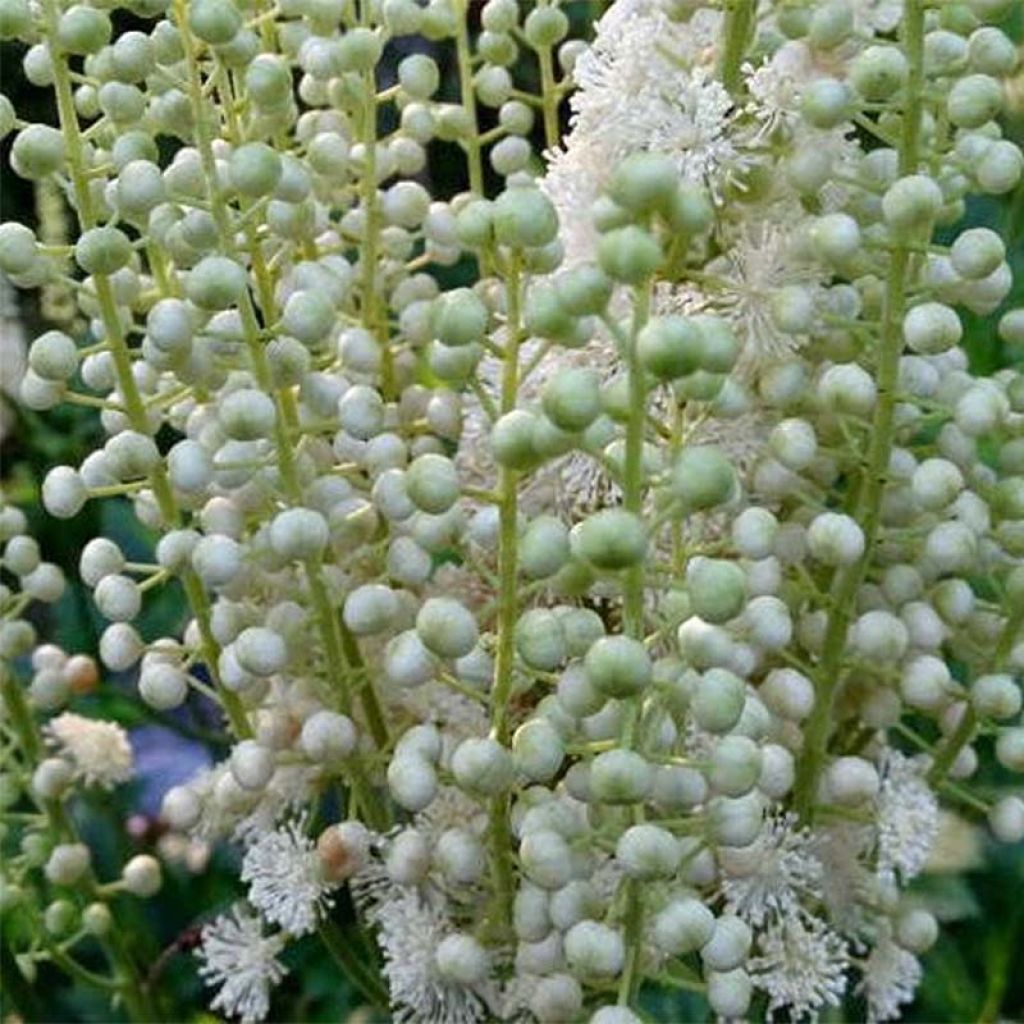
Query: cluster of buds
x: 639, y: 599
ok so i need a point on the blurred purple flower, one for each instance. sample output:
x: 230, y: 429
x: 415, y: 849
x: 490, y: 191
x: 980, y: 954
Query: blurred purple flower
x: 163, y: 758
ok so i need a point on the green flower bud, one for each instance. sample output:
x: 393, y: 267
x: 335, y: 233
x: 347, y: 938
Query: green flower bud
x: 512, y: 440
x: 974, y: 100
x: 446, y: 628
x: 544, y: 547
x: 545, y: 27
x: 702, y: 477
x: 648, y: 852
x: 611, y: 539
x: 37, y: 152
x: 670, y: 346
x: 620, y: 777
x: 540, y: 639
x: 432, y: 483
x: 482, y: 766
x: 618, y: 666
x: 216, y: 282
x: 584, y: 290
x: 214, y: 21
x: 524, y: 218
x: 718, y: 700
x: 629, y: 254
x: 644, y: 183
x: 459, y: 317
x: 878, y: 72
x: 911, y: 203
x: 572, y: 398
x: 683, y: 926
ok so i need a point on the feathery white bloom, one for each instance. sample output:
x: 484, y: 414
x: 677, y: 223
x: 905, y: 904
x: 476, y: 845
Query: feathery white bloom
x: 757, y: 265
x: 242, y: 961
x: 907, y: 817
x: 411, y: 925
x: 99, y: 750
x: 841, y: 849
x: 891, y: 976
x: 802, y: 966
x: 286, y: 882
x: 774, y: 875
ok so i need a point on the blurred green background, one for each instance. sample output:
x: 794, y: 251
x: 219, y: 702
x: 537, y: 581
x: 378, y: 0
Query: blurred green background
x: 975, y: 973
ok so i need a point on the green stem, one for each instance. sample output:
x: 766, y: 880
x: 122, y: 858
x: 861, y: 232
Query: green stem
x: 508, y: 610
x: 739, y: 23
x: 947, y: 754
x: 869, y: 504
x: 468, y: 97
x: 633, y: 614
x: 360, y: 972
x: 549, y: 96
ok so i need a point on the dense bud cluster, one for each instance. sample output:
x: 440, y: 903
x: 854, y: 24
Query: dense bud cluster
x: 643, y: 597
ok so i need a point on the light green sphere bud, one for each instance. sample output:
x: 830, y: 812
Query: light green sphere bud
x: 38, y: 152
x: 991, y: 52
x: 546, y: 858
x: 97, y: 919
x: 545, y: 27
x: 735, y: 766
x: 460, y: 317
x: 931, y: 327
x: 255, y: 169
x: 717, y: 588
x: 540, y: 639
x: 418, y: 76
x: 512, y: 440
x: 670, y: 346
x: 911, y: 203
x: 524, y: 218
x: 648, y: 852
x: 618, y: 666
x: 878, y: 72
x: 702, y: 477
x: 683, y: 926
x: 268, y: 81
x: 214, y: 21
x: 538, y: 750
x: 432, y: 483
x: 718, y: 700
x: 216, y: 282
x: 54, y: 356
x: 308, y: 315
x: 827, y: 103
x: 544, y: 547
x: 18, y: 253
x: 831, y: 23
x: 102, y: 250
x: 644, y: 183
x: 83, y: 29
x: 629, y: 254
x: 611, y: 539
x: 974, y: 100
x: 976, y: 253
x: 690, y: 211
x: 729, y: 944
x: 620, y: 777
x: 446, y: 628
x: 1001, y: 168
x: 584, y: 290
x: 572, y: 398
x: 483, y: 767
x: 15, y: 19
x: 594, y: 950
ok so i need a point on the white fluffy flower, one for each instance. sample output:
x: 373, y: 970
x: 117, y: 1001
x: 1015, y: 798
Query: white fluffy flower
x: 286, y: 881
x: 410, y: 926
x: 99, y: 750
x: 242, y: 961
x: 907, y: 818
x: 774, y: 875
x: 891, y: 976
x: 802, y: 966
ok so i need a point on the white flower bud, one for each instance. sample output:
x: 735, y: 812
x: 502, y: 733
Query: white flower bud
x: 620, y: 777
x: 537, y: 750
x: 593, y: 949
x: 546, y: 859
x: 163, y: 686
x: 729, y: 944
x: 412, y: 782
x: 916, y: 930
x: 835, y: 539
x: 851, y: 780
x: 327, y: 737
x: 260, y: 651
x: 462, y: 960
x: 120, y: 646
x: 556, y: 998
x: 252, y: 765
x: 299, y: 534
x: 648, y: 852
x: 996, y: 696
x: 446, y: 628
x: 460, y: 856
x: 729, y: 993
x: 408, y: 857
x: 142, y: 876
x: 64, y: 492
x: 735, y: 766
x: 181, y: 808
x: 1006, y: 819
x: 68, y: 864
x: 717, y: 702
x: 753, y: 532
x: 482, y: 766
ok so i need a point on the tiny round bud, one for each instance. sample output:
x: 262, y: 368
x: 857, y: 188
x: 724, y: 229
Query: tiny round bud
x: 68, y: 864
x: 260, y: 651
x: 611, y: 539
x: 835, y: 539
x: 524, y: 218
x: 142, y: 876
x: 446, y: 628
x: 482, y: 766
x: 851, y: 780
x: 629, y: 254
x: 648, y: 852
x: 717, y: 588
x: 620, y: 777
x: 729, y: 944
x: 461, y: 959
x: 917, y: 930
x: 343, y: 849
x: 911, y: 203
x: 1006, y: 819
x: 408, y: 857
x: 594, y: 949
x: 299, y: 534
